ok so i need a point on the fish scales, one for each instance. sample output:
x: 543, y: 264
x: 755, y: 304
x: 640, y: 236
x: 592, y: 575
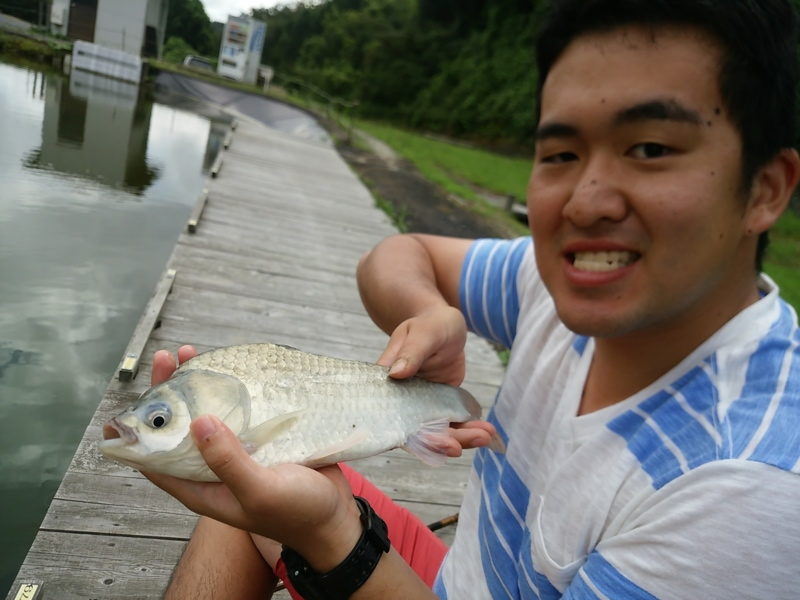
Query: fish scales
x: 346, y: 396
x: 287, y: 406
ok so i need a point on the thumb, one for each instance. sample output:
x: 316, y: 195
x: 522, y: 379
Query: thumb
x: 223, y: 452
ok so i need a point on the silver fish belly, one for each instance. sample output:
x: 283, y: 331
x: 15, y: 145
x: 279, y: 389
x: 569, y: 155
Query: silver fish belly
x: 286, y: 406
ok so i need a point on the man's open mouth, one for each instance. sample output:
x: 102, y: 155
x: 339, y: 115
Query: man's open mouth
x: 603, y: 261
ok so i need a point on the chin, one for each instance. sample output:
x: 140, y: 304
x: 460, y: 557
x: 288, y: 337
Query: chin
x: 592, y: 326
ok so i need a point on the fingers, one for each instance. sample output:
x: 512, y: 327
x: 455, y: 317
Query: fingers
x: 475, y: 434
x: 472, y: 437
x: 209, y: 499
x: 185, y: 353
x: 430, y: 345
x: 164, y: 363
x: 478, y: 434
x: 224, y: 454
x: 163, y: 367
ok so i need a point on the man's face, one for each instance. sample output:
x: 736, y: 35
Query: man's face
x: 635, y: 201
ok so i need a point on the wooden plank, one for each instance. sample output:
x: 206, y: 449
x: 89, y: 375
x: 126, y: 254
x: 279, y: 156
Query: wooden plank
x: 83, y: 567
x: 149, y: 321
x: 217, y: 166
x: 197, y: 211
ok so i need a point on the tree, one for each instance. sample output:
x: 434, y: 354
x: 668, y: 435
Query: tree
x: 187, y: 19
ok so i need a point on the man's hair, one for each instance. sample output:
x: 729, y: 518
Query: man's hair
x: 758, y: 71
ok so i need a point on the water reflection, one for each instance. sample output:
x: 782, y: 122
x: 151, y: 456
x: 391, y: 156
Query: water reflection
x: 98, y: 181
x: 96, y: 128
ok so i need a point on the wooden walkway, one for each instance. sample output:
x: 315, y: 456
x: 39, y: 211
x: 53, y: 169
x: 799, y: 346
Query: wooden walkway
x: 272, y: 258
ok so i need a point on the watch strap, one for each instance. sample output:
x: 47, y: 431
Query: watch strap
x: 342, y: 581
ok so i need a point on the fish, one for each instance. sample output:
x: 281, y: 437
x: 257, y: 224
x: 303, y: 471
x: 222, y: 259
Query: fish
x: 285, y: 406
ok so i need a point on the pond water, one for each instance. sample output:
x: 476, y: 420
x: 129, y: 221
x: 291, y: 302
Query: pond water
x: 97, y: 181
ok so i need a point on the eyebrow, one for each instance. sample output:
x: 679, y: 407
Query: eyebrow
x: 653, y: 110
x: 658, y: 110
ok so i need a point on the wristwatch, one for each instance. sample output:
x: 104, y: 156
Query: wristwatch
x: 352, y: 573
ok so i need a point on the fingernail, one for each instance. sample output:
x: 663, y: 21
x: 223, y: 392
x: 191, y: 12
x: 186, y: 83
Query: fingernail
x: 204, y: 427
x: 479, y: 442
x: 399, y: 365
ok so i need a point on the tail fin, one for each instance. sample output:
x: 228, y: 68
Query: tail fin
x: 468, y: 400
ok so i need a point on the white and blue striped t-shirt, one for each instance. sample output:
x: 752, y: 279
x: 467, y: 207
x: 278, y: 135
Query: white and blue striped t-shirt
x: 689, y: 489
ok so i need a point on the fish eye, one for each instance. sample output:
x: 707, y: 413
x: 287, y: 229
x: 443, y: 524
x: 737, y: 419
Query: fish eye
x: 159, y: 416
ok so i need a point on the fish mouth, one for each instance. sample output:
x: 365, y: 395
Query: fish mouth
x: 118, y: 434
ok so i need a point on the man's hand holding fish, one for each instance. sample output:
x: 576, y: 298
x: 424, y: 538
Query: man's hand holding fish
x: 311, y: 511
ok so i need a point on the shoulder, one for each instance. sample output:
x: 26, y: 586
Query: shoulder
x: 740, y: 401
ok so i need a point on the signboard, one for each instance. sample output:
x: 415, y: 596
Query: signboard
x: 240, y: 51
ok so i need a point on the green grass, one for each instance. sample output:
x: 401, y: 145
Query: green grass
x: 19, y: 47
x: 782, y: 262
x: 458, y: 169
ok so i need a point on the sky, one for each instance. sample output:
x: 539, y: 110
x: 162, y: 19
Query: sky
x: 218, y: 10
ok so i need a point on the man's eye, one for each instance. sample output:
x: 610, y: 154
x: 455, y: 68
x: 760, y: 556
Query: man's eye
x: 649, y: 150
x: 560, y: 157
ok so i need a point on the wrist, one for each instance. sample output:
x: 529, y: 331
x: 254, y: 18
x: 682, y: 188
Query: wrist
x: 331, y: 546
x: 352, y: 572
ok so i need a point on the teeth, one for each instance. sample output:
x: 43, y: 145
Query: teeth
x: 603, y: 261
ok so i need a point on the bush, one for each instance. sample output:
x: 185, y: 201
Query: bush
x: 176, y: 49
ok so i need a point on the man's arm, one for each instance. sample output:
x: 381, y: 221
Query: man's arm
x: 409, y: 285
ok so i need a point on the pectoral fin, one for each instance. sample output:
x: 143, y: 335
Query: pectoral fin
x: 318, y: 458
x: 265, y: 432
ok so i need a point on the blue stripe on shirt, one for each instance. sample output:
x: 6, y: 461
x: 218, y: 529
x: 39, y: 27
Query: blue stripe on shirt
x: 780, y: 445
x: 501, y: 518
x: 598, y: 578
x: 579, y: 345
x: 439, y: 588
x: 657, y: 460
x: 539, y: 586
x: 488, y: 288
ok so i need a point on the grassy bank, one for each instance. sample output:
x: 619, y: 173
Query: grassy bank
x: 460, y: 170
x: 38, y: 51
x: 783, y: 257
x: 454, y: 167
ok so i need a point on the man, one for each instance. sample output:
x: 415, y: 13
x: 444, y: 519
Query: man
x: 652, y: 402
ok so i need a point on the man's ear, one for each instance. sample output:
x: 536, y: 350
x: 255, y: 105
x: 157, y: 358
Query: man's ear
x: 772, y: 189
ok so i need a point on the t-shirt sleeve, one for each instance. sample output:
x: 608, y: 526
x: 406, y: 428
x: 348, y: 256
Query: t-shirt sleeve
x: 728, y: 529
x: 488, y: 290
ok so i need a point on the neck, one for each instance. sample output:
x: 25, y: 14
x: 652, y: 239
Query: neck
x: 623, y: 366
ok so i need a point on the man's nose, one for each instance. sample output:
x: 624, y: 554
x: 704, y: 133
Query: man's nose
x: 599, y: 194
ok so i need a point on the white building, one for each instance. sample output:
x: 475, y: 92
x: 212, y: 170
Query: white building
x: 132, y: 26
x: 240, y: 51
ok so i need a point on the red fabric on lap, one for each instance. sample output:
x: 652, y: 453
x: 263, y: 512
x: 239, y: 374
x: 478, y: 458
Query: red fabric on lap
x: 412, y: 539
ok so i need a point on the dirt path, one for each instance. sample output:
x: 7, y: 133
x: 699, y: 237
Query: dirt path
x: 418, y: 205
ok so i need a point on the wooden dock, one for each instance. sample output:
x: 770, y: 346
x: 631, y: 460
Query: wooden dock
x: 276, y: 238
